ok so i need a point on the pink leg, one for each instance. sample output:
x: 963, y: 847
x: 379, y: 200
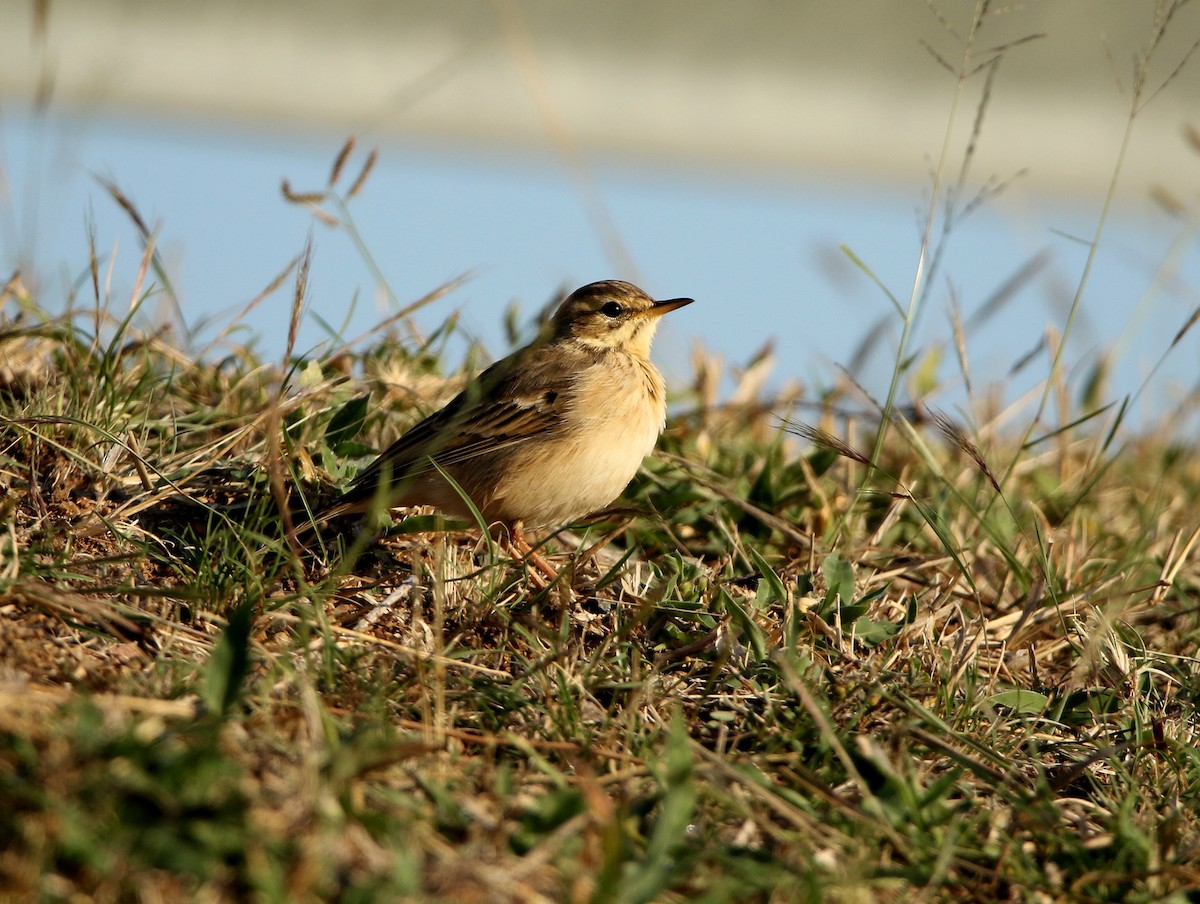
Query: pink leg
x: 531, y: 557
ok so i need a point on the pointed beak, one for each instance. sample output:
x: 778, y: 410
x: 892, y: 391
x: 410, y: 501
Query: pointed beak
x: 664, y: 307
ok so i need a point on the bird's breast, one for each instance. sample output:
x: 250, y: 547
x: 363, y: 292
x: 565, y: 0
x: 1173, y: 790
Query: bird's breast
x: 613, y: 413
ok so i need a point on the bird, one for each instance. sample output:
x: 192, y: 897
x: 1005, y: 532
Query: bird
x: 543, y: 437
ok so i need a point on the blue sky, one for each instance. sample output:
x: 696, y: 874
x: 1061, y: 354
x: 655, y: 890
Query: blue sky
x: 758, y: 251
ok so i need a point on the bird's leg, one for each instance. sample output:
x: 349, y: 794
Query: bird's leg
x: 531, y: 556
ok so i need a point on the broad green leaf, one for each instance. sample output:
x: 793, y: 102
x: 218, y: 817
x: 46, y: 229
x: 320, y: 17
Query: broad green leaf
x: 229, y: 662
x: 1023, y: 702
x: 872, y: 632
x: 839, y: 578
x: 749, y: 628
x: 346, y: 422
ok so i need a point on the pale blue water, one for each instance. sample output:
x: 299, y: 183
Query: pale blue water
x: 759, y: 252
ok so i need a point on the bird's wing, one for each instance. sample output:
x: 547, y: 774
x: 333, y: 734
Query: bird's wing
x: 511, y: 402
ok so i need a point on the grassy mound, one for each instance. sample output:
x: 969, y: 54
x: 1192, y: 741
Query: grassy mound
x: 774, y: 672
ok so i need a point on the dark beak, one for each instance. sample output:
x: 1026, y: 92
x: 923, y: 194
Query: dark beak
x: 665, y: 307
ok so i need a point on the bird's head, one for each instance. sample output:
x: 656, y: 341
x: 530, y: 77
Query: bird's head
x: 611, y: 315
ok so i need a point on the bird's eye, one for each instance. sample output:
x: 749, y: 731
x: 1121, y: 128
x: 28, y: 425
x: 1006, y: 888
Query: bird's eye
x: 611, y: 309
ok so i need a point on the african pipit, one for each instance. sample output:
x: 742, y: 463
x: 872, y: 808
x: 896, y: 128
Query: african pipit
x: 553, y: 432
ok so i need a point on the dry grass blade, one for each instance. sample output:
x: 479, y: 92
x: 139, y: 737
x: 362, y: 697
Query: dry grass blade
x: 299, y: 299
x: 340, y: 161
x: 715, y: 486
x: 253, y: 303
x: 295, y: 197
x: 126, y: 204
x: 404, y: 313
x: 826, y: 440
x: 361, y: 179
x: 960, y: 341
x: 937, y: 57
x: 956, y: 436
x: 104, y: 615
x: 148, y: 242
x: 1183, y: 330
x: 1008, y: 290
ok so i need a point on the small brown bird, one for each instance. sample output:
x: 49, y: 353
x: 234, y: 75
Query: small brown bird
x: 553, y: 432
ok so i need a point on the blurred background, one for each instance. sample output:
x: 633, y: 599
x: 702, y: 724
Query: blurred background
x: 729, y: 152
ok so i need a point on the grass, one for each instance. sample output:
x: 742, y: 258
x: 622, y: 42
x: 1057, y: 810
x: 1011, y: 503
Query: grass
x: 911, y: 658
